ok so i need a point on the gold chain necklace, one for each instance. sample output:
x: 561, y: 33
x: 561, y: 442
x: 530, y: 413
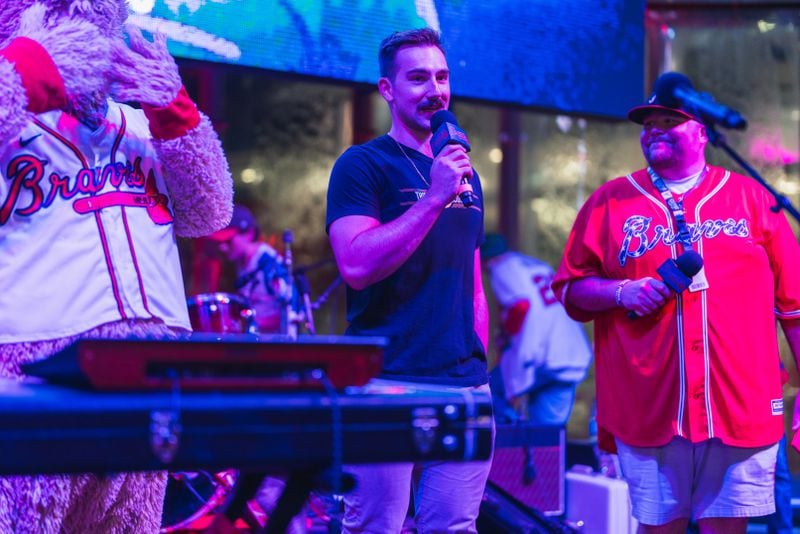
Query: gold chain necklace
x: 413, y: 165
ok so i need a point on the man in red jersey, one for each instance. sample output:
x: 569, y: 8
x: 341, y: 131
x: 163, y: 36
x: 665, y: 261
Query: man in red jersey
x: 686, y: 381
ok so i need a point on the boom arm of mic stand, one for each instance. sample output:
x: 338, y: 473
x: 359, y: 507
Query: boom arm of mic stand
x: 781, y: 201
x: 327, y: 293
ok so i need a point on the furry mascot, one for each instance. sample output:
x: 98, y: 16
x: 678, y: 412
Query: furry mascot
x: 92, y: 195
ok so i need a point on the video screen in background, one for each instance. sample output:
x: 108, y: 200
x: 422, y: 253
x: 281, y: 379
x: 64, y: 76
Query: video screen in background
x: 575, y: 56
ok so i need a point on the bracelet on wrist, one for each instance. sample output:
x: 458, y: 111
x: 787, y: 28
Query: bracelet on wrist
x: 618, y: 292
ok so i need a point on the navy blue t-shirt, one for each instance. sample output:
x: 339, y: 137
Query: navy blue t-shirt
x: 425, y: 308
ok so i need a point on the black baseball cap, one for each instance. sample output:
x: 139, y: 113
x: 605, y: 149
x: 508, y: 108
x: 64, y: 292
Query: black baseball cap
x: 662, y: 98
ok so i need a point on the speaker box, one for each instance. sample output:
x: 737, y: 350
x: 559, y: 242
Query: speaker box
x: 545, y: 492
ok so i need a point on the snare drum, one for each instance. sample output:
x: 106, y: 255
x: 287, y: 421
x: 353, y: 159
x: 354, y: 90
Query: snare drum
x: 220, y: 313
x: 191, y: 496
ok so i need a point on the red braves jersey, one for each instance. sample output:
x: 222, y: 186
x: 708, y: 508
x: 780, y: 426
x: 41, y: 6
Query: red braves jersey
x: 91, y: 206
x: 704, y: 365
x: 796, y: 426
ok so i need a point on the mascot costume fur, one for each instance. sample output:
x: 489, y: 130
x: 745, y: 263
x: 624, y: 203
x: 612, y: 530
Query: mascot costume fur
x: 92, y: 195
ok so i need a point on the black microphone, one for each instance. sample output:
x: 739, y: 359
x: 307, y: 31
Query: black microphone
x: 677, y: 274
x: 445, y: 132
x: 673, y: 88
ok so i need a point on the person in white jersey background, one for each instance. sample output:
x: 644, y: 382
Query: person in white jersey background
x: 543, y: 354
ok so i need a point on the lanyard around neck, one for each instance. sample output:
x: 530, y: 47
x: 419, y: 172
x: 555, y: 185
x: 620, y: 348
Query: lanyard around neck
x: 684, y: 236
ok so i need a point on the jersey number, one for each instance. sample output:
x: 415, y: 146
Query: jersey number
x: 543, y: 283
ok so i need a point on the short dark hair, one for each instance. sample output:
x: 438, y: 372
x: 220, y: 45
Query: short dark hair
x: 392, y: 44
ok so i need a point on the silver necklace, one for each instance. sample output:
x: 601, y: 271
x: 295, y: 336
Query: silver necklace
x: 413, y: 165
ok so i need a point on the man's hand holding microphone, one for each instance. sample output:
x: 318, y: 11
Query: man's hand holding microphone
x: 450, y: 145
x: 647, y: 295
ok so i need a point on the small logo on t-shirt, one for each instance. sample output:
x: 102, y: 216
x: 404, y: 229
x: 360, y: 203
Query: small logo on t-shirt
x: 777, y: 406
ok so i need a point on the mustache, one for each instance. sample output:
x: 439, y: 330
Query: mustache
x: 660, y: 139
x: 433, y: 103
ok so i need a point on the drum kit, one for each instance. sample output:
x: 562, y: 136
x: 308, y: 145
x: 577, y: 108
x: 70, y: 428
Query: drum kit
x: 273, y: 287
x: 221, y: 313
x: 191, y: 496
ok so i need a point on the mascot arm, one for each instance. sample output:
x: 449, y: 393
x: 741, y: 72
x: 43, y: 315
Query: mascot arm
x: 41, y: 66
x: 43, y: 84
x: 29, y: 83
x: 195, y: 168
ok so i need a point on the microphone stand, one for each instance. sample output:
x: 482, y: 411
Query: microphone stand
x: 304, y: 288
x: 288, y: 324
x: 327, y: 293
x: 781, y: 201
x: 296, y: 279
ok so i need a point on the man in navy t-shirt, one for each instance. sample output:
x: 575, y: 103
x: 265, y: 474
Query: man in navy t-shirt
x: 408, y: 249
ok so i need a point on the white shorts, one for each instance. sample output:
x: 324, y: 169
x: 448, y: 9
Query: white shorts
x: 698, y: 480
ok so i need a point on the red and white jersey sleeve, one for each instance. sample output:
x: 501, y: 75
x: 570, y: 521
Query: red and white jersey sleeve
x: 86, y: 229
x: 547, y: 338
x: 704, y: 365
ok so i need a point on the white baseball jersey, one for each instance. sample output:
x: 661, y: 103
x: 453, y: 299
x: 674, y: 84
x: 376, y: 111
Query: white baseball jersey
x: 548, y: 338
x: 86, y: 234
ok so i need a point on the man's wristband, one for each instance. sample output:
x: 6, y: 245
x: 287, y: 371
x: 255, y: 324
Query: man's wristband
x: 618, y: 292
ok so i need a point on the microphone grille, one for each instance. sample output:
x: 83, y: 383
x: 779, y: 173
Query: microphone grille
x: 665, y: 85
x: 689, y: 263
x: 440, y: 117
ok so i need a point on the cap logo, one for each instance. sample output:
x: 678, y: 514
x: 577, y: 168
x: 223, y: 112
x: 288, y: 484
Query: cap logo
x: 652, y: 98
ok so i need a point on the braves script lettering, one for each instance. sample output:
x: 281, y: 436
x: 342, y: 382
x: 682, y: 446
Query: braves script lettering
x: 639, y: 238
x: 26, y: 172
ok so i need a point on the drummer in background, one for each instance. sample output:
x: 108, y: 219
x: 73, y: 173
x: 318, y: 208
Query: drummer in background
x: 262, y: 280
x: 261, y: 274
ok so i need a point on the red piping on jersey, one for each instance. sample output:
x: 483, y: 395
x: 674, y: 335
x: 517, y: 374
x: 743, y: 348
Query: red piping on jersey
x: 110, y: 267
x: 64, y: 140
x: 683, y: 377
x: 707, y: 362
x: 683, y: 422
x: 704, y: 304
x: 101, y: 231
x: 135, y: 262
x: 122, y: 128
